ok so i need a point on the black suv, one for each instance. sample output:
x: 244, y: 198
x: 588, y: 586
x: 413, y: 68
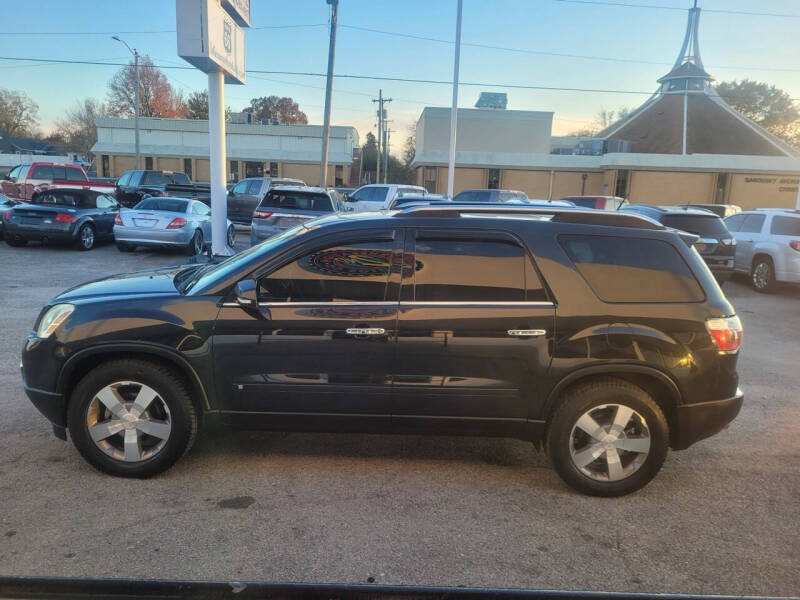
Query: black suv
x: 716, y: 245
x: 599, y: 336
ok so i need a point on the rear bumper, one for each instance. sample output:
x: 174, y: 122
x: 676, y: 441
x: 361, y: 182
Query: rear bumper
x: 55, y: 232
x: 721, y: 266
x: 696, y: 422
x: 153, y: 237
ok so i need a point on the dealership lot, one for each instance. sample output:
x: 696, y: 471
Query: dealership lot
x: 720, y: 518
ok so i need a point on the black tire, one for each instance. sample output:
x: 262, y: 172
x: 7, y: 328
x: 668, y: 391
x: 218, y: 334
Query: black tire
x: 171, y: 389
x: 196, y: 245
x: 231, y: 236
x: 762, y: 275
x: 86, y: 237
x: 15, y: 242
x: 125, y: 247
x: 583, y: 398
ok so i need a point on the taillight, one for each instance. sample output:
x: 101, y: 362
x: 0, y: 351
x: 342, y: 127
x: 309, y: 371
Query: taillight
x: 728, y: 242
x: 65, y: 218
x: 726, y: 333
x: 262, y: 214
x: 118, y: 220
x: 7, y: 215
x: 177, y: 223
x: 795, y: 244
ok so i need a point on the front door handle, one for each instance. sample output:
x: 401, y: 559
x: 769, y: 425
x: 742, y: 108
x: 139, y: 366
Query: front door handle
x: 527, y: 332
x: 365, y: 331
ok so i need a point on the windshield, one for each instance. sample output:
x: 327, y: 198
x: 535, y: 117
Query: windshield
x: 163, y: 204
x: 697, y: 224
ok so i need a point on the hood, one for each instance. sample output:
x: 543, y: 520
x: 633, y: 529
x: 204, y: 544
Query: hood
x: 141, y: 283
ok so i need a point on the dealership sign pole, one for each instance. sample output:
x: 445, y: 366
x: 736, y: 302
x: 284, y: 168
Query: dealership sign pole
x: 210, y: 38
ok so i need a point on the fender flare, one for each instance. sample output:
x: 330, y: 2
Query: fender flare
x: 155, y: 350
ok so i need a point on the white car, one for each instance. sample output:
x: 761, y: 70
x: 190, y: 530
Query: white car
x: 376, y: 196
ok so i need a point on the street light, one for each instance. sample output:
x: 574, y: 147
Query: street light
x: 136, y: 93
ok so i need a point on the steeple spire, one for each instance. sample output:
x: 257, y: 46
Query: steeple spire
x: 690, y: 50
x: 688, y: 73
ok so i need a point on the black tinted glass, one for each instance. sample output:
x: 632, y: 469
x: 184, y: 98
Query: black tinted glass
x: 632, y: 269
x: 59, y: 173
x: 154, y: 178
x: 165, y: 204
x: 298, y: 201
x: 453, y: 269
x: 697, y: 224
x: 583, y: 202
x: 74, y: 174
x: 474, y: 196
x: 785, y: 226
x: 180, y: 179
x: 356, y: 272
x: 42, y: 172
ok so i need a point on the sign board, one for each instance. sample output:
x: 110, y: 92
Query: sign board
x: 239, y: 10
x: 210, y: 39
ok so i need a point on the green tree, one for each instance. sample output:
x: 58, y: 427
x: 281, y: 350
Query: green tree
x: 767, y: 105
x: 197, y: 105
x: 284, y: 109
x: 369, y: 156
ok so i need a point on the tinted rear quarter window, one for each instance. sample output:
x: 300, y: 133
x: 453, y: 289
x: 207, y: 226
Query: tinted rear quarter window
x: 785, y: 226
x: 632, y: 269
x: 297, y: 201
x: 697, y: 224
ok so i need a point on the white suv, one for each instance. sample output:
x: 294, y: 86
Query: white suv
x: 376, y: 196
x: 767, y: 246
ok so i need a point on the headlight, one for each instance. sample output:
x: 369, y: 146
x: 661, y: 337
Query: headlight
x: 53, y: 318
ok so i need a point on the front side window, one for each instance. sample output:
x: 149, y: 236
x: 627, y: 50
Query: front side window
x: 136, y: 177
x: 241, y: 187
x: 181, y: 179
x: 735, y: 222
x: 345, y: 272
x: 753, y: 224
x: 468, y: 269
x: 104, y: 201
x: 632, y: 269
x: 254, y: 187
x: 43, y: 172
x: 123, y: 181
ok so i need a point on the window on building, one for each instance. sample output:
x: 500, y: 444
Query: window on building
x: 253, y: 169
x: 621, y: 188
x: 345, y: 272
x: 105, y: 171
x: 632, y: 270
x: 273, y: 169
x: 429, y: 179
x: 187, y: 167
x: 338, y: 176
x: 148, y: 162
x: 494, y: 179
x: 455, y: 269
x: 234, y: 170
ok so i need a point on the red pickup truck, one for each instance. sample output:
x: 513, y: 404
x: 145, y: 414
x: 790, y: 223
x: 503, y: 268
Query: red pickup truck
x: 24, y: 181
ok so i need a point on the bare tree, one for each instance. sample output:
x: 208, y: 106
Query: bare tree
x: 18, y: 113
x: 78, y: 128
x: 157, y: 98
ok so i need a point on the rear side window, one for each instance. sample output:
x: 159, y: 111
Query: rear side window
x: 297, y: 201
x: 632, y: 269
x: 74, y: 174
x: 43, y: 172
x: 699, y: 225
x: 59, y: 173
x: 785, y: 226
x: 165, y: 204
x: 454, y: 269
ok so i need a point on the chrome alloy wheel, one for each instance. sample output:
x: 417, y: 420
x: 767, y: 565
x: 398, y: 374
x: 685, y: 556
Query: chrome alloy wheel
x: 129, y: 421
x: 609, y: 442
x: 87, y: 236
x: 231, y: 236
x: 761, y: 275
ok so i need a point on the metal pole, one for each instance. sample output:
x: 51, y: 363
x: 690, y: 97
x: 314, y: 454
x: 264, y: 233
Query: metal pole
x: 136, y: 97
x: 216, y: 131
x: 797, y: 204
x: 326, y: 128
x: 451, y: 166
x: 685, y: 114
x: 385, y: 154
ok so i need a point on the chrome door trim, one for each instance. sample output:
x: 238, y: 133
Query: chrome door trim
x: 402, y: 303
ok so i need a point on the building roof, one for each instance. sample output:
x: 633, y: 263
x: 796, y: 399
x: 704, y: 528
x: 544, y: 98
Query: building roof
x: 10, y: 144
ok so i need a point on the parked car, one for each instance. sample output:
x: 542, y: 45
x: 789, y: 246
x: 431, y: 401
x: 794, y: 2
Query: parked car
x: 489, y: 196
x: 721, y: 210
x: 24, y: 182
x: 602, y: 337
x: 62, y: 215
x: 248, y: 193
x: 6, y: 204
x: 284, y: 207
x: 716, y: 244
x: 767, y: 246
x: 376, y: 196
x: 597, y: 202
x: 133, y: 186
x: 167, y: 223
x: 406, y: 199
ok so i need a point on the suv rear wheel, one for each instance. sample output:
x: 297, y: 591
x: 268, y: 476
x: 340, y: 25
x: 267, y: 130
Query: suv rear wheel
x: 607, y: 437
x: 131, y: 418
x: 762, y: 277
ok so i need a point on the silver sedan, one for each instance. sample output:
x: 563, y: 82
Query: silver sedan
x: 167, y: 222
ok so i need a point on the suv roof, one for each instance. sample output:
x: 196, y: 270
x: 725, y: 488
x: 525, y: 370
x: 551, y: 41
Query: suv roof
x: 670, y: 210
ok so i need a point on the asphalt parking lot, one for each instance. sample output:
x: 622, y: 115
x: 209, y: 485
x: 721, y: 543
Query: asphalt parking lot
x: 722, y: 517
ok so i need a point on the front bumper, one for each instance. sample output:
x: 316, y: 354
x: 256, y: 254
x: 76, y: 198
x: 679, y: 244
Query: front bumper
x: 698, y: 421
x: 153, y: 237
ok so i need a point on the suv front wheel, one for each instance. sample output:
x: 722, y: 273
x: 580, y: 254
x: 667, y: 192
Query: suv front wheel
x: 607, y: 437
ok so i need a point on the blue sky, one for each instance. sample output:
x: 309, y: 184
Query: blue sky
x: 732, y: 46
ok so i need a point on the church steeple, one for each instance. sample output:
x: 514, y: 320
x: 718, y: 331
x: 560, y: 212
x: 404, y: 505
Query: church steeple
x: 688, y: 73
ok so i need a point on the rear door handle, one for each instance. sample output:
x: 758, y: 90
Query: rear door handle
x: 365, y: 331
x: 527, y: 332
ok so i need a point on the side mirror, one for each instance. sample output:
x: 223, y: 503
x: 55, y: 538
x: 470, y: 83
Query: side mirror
x: 246, y: 293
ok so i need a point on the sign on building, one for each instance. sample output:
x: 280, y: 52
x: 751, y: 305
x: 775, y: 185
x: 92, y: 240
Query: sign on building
x: 210, y: 38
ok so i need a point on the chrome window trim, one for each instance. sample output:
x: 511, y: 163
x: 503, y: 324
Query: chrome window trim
x: 400, y: 303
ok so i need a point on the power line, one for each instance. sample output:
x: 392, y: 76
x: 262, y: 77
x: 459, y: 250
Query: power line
x: 150, y: 31
x: 681, y: 8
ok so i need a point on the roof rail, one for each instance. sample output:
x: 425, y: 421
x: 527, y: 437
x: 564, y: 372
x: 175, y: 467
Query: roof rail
x: 557, y: 214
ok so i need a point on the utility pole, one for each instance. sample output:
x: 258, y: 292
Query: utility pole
x: 451, y: 170
x: 385, y: 153
x: 326, y: 128
x: 381, y: 136
x: 135, y: 93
